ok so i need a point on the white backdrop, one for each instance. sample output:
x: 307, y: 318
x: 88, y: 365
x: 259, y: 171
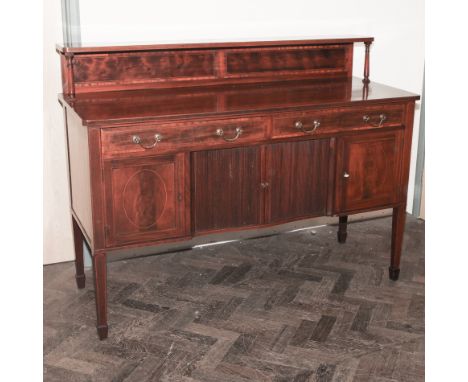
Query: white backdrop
x: 397, y: 55
x: 57, y: 240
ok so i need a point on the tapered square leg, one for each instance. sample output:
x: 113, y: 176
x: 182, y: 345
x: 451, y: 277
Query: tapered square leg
x: 398, y: 229
x: 79, y: 265
x: 342, y: 229
x: 393, y: 274
x: 100, y: 290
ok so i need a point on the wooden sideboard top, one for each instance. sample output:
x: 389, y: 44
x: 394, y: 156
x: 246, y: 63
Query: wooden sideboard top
x: 141, y: 47
x: 106, y: 108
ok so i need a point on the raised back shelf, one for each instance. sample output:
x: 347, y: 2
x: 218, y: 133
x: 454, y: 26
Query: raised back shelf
x: 97, y: 69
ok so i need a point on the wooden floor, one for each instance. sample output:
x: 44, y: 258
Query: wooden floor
x: 292, y: 307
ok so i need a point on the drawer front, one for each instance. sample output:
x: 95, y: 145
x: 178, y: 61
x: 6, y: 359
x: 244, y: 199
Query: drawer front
x: 145, y: 139
x: 229, y: 132
x: 163, y: 138
x: 325, y: 121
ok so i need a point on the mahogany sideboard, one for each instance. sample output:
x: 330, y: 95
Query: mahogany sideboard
x: 169, y: 142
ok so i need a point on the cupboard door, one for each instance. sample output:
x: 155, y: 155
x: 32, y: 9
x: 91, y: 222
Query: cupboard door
x: 368, y: 171
x: 226, y: 188
x: 297, y: 178
x: 145, y: 199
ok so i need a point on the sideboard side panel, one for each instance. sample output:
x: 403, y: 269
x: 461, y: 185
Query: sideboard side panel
x: 80, y: 177
x: 406, y: 157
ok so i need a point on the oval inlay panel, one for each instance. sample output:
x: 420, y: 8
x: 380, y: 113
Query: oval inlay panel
x: 144, y: 198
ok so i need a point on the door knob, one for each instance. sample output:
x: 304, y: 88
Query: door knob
x: 265, y: 185
x: 345, y: 175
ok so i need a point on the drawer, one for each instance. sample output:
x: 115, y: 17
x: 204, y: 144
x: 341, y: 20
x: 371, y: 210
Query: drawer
x: 144, y: 139
x: 229, y: 132
x: 163, y: 138
x: 325, y: 121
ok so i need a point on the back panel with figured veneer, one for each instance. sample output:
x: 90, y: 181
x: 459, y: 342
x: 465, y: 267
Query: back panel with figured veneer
x: 144, y: 67
x: 320, y: 59
x: 87, y: 70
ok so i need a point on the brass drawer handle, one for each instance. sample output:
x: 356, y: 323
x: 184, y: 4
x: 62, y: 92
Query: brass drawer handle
x: 220, y: 133
x: 382, y: 117
x: 137, y: 140
x: 299, y: 125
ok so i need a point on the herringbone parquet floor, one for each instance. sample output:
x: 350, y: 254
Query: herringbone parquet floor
x: 292, y: 307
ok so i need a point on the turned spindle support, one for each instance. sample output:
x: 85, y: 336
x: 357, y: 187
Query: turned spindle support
x: 365, y: 91
x: 70, y: 76
x: 366, y: 79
